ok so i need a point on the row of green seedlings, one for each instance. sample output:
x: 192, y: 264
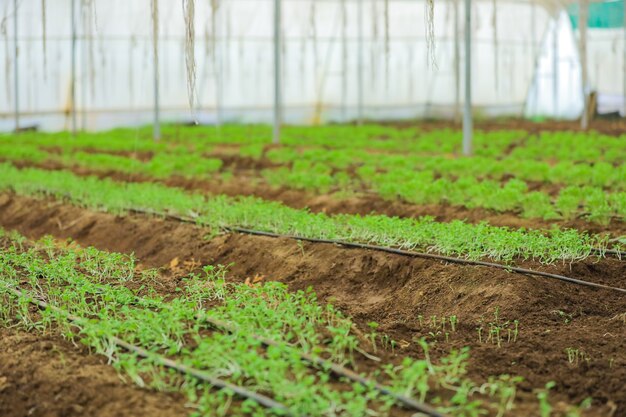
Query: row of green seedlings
x: 438, y: 326
x: 518, y: 144
x: 457, y: 238
x: 578, y: 356
x: 93, y: 285
x: 185, y: 161
x: 416, y: 188
x: 496, y: 331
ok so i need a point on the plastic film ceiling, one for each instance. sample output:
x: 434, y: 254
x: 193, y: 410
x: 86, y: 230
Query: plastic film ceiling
x: 233, y: 48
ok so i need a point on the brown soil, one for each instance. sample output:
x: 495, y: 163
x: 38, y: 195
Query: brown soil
x: 139, y: 155
x: 47, y: 376
x: 395, y: 291
x: 613, y: 127
x: 361, y: 204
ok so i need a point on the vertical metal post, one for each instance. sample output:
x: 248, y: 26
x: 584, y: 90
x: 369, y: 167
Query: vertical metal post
x: 344, y: 59
x: 555, y: 66
x: 533, y: 31
x: 83, y: 68
x: 457, y: 63
x: 156, y: 128
x: 16, y: 70
x: 583, y: 16
x: 467, y: 112
x: 73, y: 73
x: 360, y: 63
x: 277, y: 73
x: 624, y: 57
x: 534, y: 50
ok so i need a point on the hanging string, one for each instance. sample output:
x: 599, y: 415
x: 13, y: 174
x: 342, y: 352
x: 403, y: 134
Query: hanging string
x: 44, y: 39
x: 430, y: 32
x: 190, y: 56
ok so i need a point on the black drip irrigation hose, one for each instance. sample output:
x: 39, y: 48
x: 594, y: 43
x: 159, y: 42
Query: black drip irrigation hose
x: 402, y: 252
x: 168, y: 363
x: 450, y: 259
x: 595, y: 251
x: 612, y: 252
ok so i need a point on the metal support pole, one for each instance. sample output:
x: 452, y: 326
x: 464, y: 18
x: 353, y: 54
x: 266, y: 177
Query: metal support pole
x: 344, y: 59
x: 582, y: 27
x: 624, y: 59
x: 360, y: 63
x: 533, y: 49
x: 83, y: 69
x: 277, y: 73
x: 156, y: 128
x: 467, y: 112
x: 16, y: 72
x: 457, y: 63
x: 73, y: 73
x: 555, y: 66
x: 533, y: 31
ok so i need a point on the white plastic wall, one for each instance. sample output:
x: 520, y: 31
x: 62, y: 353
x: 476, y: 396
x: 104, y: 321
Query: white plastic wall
x: 234, y: 61
x: 607, y: 68
x: 566, y: 100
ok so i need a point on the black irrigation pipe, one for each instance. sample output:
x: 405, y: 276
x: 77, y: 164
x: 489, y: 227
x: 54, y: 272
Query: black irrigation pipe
x: 423, y: 255
x: 596, y: 251
x: 450, y: 259
x: 168, y: 363
x: 612, y: 252
x: 402, y: 252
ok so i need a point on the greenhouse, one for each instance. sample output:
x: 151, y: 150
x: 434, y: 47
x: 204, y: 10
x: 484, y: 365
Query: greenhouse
x: 340, y: 208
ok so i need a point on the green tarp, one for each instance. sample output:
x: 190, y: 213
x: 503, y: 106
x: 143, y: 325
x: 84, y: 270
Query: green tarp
x: 603, y: 15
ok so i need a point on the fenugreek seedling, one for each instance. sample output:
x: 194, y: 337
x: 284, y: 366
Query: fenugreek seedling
x: 301, y: 247
x: 434, y: 335
x: 387, y: 342
x: 566, y: 317
x: 577, y: 411
x: 499, y: 330
x: 453, y: 322
x: 545, y: 408
x: 372, y: 336
x: 574, y: 356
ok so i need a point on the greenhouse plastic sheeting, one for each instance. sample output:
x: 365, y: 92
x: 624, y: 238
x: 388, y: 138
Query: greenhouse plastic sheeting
x: 233, y: 49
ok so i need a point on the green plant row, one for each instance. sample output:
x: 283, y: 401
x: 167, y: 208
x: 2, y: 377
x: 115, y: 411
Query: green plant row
x: 202, y: 138
x: 400, y: 182
x: 160, y: 165
x: 101, y: 290
x: 455, y: 238
x: 599, y: 174
x: 591, y: 203
x: 590, y: 147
